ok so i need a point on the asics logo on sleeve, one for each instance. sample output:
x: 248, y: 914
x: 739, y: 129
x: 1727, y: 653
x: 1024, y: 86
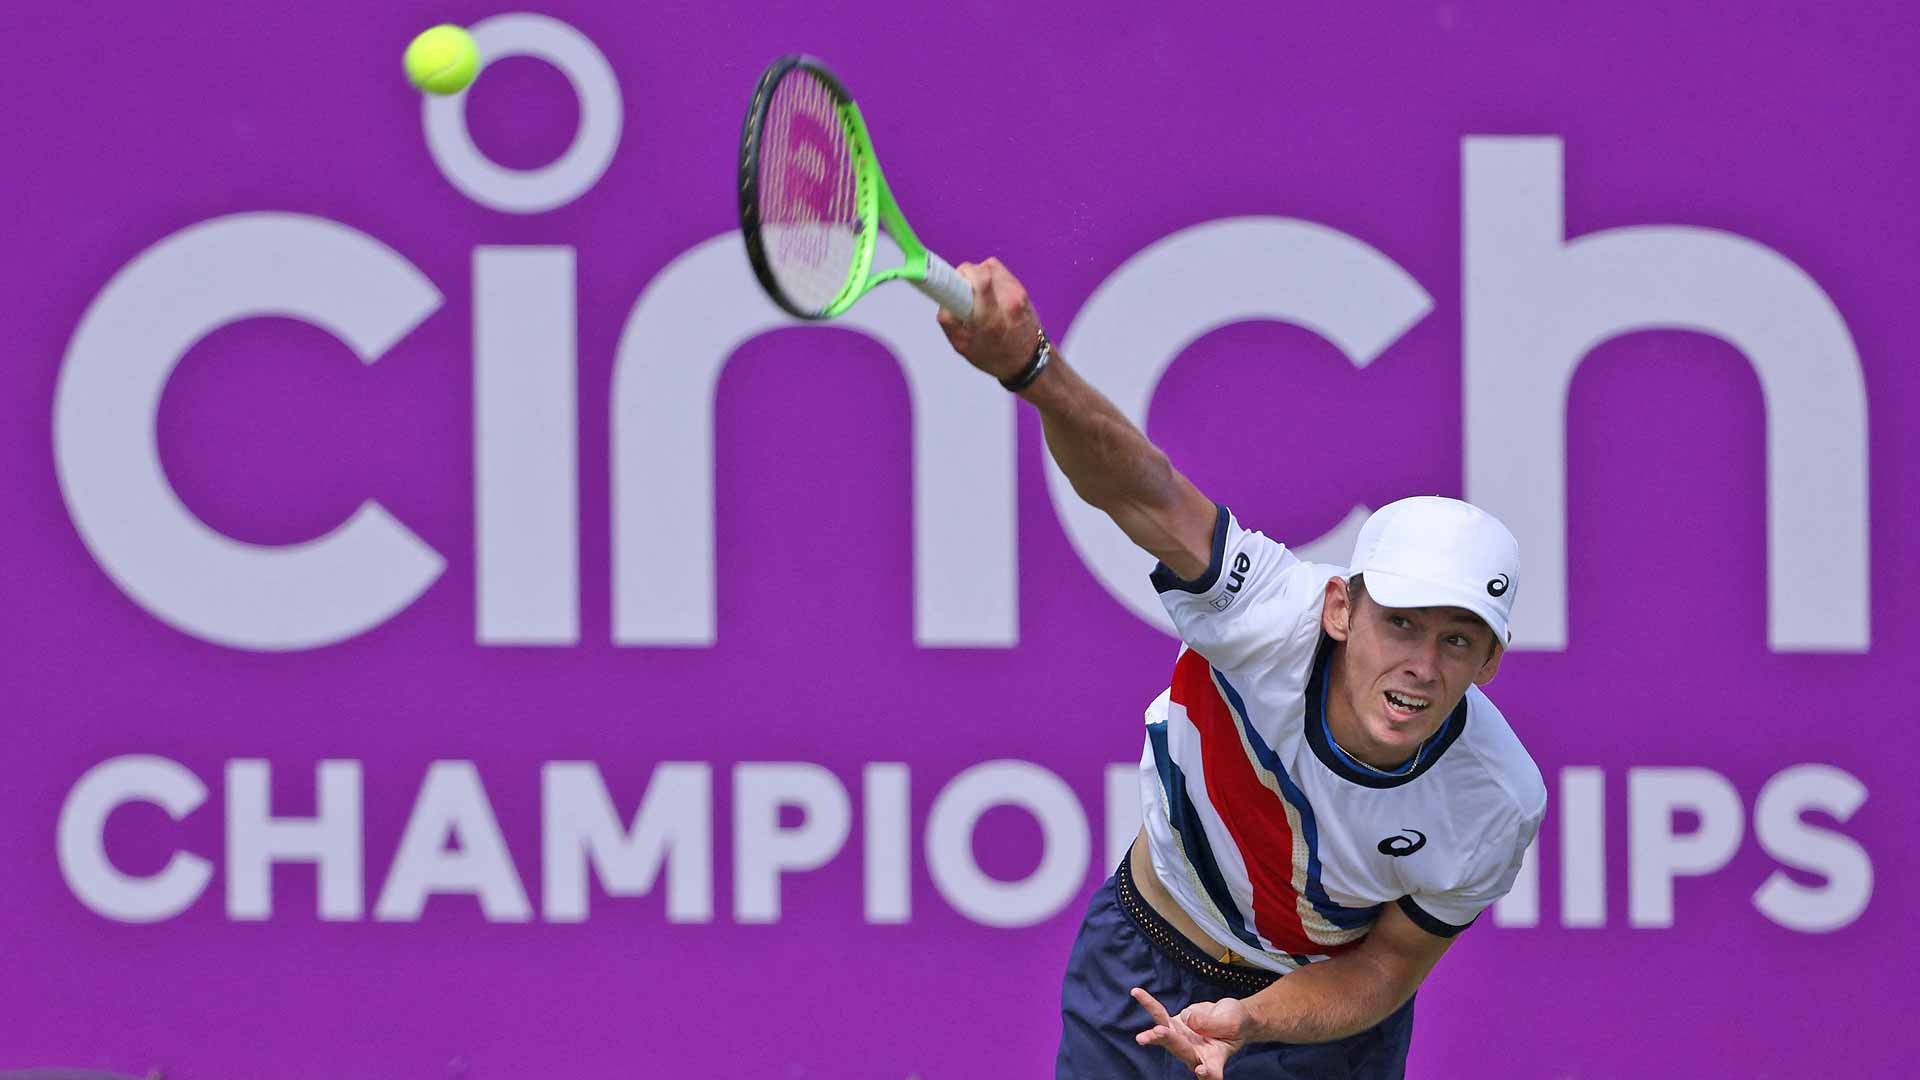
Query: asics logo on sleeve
x: 1400, y: 845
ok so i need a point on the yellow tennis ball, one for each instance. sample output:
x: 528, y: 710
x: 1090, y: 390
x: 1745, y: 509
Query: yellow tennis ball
x: 443, y: 60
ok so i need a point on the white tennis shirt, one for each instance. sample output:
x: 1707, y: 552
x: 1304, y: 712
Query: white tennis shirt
x: 1264, y: 831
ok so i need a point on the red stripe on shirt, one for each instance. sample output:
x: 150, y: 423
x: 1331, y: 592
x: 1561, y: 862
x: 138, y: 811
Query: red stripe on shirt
x: 1252, y: 812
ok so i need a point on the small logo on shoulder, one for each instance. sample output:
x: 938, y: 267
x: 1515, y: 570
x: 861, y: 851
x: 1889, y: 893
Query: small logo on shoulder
x: 1222, y: 602
x: 1498, y: 586
x: 1241, y: 564
x: 1397, y: 846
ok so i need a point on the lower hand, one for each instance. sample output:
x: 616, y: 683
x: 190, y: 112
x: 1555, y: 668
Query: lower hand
x: 1203, y: 1036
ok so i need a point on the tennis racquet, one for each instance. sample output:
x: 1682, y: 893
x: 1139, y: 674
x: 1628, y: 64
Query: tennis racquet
x: 813, y: 200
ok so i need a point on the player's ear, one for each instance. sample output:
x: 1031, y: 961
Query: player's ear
x: 1336, y: 609
x: 1491, y: 668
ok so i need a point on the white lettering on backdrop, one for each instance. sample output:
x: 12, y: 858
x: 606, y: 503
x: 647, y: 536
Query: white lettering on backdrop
x: 672, y: 836
x: 1536, y: 303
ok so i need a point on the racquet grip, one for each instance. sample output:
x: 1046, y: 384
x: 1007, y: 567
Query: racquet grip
x: 947, y: 287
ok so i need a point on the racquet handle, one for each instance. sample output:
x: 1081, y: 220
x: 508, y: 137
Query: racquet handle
x: 947, y: 287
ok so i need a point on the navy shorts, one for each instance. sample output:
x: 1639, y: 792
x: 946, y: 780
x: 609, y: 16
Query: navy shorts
x: 1112, y: 955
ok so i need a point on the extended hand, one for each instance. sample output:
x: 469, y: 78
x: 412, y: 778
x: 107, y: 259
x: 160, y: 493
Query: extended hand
x: 1204, y: 1035
x: 1001, y: 334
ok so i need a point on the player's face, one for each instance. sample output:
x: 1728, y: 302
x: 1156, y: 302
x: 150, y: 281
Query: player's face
x: 1403, y: 671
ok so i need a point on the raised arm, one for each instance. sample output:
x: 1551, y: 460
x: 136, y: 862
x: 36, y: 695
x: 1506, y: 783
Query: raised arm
x: 1111, y: 463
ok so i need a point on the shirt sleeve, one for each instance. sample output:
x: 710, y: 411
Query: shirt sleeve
x: 1490, y: 876
x: 1255, y: 601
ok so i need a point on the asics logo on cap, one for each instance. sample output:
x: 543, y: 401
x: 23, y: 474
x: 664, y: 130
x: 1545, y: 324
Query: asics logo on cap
x: 1498, y: 586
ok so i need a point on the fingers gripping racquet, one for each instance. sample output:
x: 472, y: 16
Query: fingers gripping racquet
x: 813, y: 200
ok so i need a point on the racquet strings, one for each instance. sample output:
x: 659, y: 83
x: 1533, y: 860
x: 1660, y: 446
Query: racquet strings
x: 809, y: 205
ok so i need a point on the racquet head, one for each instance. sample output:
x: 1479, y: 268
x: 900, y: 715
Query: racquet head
x: 809, y: 200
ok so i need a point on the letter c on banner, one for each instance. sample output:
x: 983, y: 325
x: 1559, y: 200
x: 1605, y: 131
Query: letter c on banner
x: 82, y: 839
x: 107, y: 453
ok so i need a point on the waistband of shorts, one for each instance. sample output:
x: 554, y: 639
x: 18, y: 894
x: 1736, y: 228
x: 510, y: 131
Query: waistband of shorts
x: 1175, y: 946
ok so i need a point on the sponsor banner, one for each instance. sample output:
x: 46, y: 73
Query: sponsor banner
x: 456, y: 625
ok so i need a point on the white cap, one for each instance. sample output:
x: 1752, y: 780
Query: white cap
x: 1433, y: 552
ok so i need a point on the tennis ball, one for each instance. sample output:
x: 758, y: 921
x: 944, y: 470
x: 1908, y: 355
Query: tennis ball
x: 443, y: 60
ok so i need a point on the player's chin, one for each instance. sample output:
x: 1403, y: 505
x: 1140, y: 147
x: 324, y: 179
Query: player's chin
x: 1397, y: 746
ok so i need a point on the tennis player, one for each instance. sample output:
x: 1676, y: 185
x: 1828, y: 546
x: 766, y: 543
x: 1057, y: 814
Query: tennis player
x: 1329, y: 798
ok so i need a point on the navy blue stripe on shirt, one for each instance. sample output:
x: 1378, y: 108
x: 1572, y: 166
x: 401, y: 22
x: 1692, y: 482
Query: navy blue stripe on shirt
x: 1436, y: 927
x: 1193, y: 837
x: 1344, y: 917
x: 1166, y: 581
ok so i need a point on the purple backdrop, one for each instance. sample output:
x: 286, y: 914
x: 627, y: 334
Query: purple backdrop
x: 1065, y: 140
